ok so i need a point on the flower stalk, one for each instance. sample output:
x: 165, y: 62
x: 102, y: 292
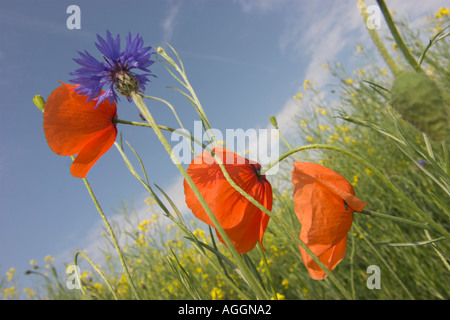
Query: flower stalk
x: 377, y: 41
x: 253, y: 283
x: 397, y: 37
x: 114, y: 240
x: 40, y: 103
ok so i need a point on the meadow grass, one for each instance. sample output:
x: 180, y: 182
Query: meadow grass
x: 171, y: 256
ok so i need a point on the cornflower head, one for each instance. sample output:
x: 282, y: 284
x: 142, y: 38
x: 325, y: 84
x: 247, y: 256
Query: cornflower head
x: 115, y: 71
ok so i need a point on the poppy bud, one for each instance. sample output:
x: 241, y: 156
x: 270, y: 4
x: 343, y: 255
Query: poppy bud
x: 39, y: 102
x: 420, y: 101
x: 160, y: 50
x: 274, y: 122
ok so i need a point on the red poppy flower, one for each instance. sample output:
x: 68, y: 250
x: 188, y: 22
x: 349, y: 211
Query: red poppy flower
x: 74, y: 126
x: 324, y: 202
x: 242, y: 221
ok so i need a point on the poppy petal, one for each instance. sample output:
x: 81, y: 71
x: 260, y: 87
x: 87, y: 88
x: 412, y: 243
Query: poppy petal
x: 218, y: 193
x: 246, y: 234
x: 331, y: 258
x: 70, y: 122
x: 92, y: 151
x: 319, y: 195
x: 242, y: 221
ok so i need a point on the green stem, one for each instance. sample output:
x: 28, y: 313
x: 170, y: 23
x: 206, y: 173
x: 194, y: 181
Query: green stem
x: 185, y: 82
x: 397, y: 37
x: 429, y: 147
x: 266, y: 266
x: 40, y: 103
x: 114, y: 240
x: 377, y: 41
x: 352, y: 263
x: 397, y: 219
x: 96, y: 269
x: 248, y: 275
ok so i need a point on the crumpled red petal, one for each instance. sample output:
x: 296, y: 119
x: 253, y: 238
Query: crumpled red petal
x: 319, y: 195
x: 243, y: 222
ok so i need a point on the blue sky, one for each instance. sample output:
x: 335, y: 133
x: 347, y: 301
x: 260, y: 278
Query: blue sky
x: 245, y: 59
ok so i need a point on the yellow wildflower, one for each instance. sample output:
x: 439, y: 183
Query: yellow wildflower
x: 285, y: 284
x: 355, y: 179
x: 9, y: 292
x: 49, y: 258
x: 141, y: 241
x: 143, y: 226
x: 349, y: 81
x: 305, y: 84
x: 10, y: 273
x: 442, y: 12
x: 216, y: 293
x: 279, y: 297
x: 150, y: 201
x: 29, y: 291
x: 369, y: 172
x: 394, y: 46
x: 297, y: 96
x: 303, y: 123
x: 309, y: 139
x: 98, y: 287
x: 358, y: 48
x: 200, y: 233
x: 333, y: 137
x: 33, y: 262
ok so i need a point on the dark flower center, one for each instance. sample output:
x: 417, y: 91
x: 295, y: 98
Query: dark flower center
x: 258, y: 173
x: 124, y: 81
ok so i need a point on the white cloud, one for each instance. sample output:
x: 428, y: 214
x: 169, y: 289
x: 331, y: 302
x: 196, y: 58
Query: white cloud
x: 251, y: 6
x: 169, y: 23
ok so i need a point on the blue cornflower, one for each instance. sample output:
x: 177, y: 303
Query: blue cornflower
x: 115, y: 71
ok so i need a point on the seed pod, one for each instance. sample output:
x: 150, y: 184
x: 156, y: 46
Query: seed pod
x: 419, y: 101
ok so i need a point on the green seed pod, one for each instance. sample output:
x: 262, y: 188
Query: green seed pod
x: 419, y: 101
